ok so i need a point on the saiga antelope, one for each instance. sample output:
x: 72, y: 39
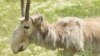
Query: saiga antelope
x: 70, y: 33
x: 31, y: 28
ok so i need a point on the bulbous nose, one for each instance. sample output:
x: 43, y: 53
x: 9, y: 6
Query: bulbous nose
x: 20, y: 49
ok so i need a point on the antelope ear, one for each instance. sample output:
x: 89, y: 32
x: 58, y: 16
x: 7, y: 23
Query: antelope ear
x: 37, y: 19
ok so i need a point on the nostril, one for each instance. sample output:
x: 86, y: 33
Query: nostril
x: 21, y: 48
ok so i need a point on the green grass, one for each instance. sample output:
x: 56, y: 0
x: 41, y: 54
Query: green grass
x: 51, y: 9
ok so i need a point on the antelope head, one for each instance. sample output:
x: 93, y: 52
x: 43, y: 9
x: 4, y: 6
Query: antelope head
x: 21, y: 35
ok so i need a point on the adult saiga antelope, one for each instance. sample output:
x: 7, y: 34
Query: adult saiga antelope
x: 72, y: 34
x: 36, y: 29
x: 31, y: 28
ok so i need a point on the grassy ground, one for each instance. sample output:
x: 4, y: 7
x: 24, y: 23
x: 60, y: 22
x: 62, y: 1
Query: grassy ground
x: 51, y: 9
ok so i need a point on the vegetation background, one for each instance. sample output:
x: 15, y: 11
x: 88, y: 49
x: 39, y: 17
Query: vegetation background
x: 51, y: 9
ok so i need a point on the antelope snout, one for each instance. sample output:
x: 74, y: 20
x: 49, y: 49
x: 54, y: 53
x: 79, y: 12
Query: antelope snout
x: 18, y: 49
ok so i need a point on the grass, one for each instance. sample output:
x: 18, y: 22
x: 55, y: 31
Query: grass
x: 51, y: 9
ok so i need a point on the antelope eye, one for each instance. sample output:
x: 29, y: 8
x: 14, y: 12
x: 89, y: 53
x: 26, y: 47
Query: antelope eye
x: 26, y: 27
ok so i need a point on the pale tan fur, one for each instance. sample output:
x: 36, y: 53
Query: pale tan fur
x: 71, y: 33
x: 82, y: 34
x: 20, y: 37
x: 44, y: 33
x: 92, y: 33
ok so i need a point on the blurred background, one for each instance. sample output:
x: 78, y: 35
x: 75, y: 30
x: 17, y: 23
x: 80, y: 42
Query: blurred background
x: 51, y: 9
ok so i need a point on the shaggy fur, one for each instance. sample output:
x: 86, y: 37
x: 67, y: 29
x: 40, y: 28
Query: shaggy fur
x: 72, y: 30
x: 71, y: 33
x: 44, y: 33
x: 80, y: 34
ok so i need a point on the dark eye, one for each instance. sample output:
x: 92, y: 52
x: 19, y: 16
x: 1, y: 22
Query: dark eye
x: 26, y: 27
